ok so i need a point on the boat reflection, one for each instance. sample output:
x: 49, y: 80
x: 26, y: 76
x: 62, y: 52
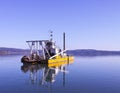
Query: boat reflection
x: 44, y: 74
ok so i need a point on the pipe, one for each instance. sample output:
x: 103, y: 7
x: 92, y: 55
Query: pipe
x: 64, y: 41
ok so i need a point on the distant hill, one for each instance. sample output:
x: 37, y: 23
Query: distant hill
x: 92, y: 52
x: 78, y: 52
x: 12, y: 51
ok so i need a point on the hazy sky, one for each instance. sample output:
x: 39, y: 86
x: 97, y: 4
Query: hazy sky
x: 89, y: 24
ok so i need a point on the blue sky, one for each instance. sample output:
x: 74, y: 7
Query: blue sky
x: 89, y: 24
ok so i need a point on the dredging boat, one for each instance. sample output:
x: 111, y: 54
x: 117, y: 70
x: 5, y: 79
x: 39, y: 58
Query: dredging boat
x: 46, y: 52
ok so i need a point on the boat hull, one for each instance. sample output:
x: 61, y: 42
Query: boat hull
x: 66, y: 59
x: 26, y: 59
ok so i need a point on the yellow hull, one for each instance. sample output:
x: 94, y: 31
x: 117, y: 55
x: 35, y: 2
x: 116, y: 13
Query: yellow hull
x: 60, y: 61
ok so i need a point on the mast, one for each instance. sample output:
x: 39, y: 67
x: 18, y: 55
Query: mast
x: 51, y: 35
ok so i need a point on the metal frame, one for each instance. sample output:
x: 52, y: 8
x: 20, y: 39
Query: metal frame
x: 37, y: 45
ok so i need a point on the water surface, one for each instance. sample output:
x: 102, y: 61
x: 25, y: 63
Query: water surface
x: 85, y: 75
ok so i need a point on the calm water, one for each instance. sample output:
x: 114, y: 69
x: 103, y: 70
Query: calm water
x: 85, y: 75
